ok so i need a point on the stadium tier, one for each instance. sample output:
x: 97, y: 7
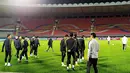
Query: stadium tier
x: 44, y: 27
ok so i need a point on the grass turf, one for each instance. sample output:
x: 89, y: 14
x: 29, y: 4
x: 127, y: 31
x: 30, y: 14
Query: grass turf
x: 112, y: 59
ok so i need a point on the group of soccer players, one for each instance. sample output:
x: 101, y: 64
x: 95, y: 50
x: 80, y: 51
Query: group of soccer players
x: 21, y: 44
x: 72, y: 46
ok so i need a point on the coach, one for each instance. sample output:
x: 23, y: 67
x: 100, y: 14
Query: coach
x: 93, y: 53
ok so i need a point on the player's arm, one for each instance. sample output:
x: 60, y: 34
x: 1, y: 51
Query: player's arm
x: 3, y: 47
x: 84, y: 44
x: 90, y: 50
x: 38, y: 43
x: 14, y: 42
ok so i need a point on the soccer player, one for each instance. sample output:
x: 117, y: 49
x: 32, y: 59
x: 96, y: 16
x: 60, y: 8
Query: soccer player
x: 63, y: 49
x: 71, y: 51
x: 32, y: 45
x: 7, y: 46
x: 24, y: 49
x: 17, y: 44
x: 77, y: 47
x: 93, y: 53
x: 50, y: 42
x: 36, y: 43
x: 82, y: 45
x: 108, y: 39
x: 124, y: 42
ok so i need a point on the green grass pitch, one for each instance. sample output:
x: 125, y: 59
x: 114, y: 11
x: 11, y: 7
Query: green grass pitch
x: 112, y: 59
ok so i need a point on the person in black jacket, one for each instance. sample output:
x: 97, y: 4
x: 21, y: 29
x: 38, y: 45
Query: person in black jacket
x: 50, y: 42
x: 17, y: 44
x: 36, y: 43
x: 63, y: 49
x: 82, y: 45
x: 32, y: 45
x: 77, y: 47
x: 7, y: 46
x: 24, y: 49
x: 71, y: 51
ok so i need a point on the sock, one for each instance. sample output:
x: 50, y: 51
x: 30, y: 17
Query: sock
x: 9, y: 64
x: 72, y: 66
x: 82, y: 58
x: 67, y: 67
x: 76, y: 62
x: 62, y: 63
x: 78, y: 59
x: 5, y: 64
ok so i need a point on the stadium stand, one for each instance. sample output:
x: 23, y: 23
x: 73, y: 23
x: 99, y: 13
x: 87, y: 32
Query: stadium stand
x: 44, y: 27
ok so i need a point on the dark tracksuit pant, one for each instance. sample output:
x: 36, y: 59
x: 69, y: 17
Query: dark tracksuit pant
x: 32, y: 49
x: 77, y: 55
x: 8, y: 54
x: 17, y: 53
x: 92, y: 61
x: 63, y: 53
x: 82, y: 53
x: 24, y: 52
x: 69, y: 54
x: 124, y: 45
x: 35, y: 50
x: 108, y: 42
x: 50, y: 46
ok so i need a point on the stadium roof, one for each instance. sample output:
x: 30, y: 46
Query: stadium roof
x: 66, y: 1
x: 75, y: 8
x: 75, y: 1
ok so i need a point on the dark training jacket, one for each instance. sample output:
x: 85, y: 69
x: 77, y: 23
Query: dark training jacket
x: 7, y: 45
x: 50, y: 42
x: 25, y: 45
x: 63, y: 45
x: 17, y: 44
x: 71, y: 44
x: 32, y: 42
x: 36, y: 42
x: 77, y: 46
x: 82, y: 43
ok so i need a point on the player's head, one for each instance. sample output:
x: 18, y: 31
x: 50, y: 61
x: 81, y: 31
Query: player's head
x: 33, y: 37
x: 66, y: 36
x: 36, y: 36
x: 93, y: 35
x: 71, y: 34
x: 16, y: 37
x: 20, y: 37
x: 75, y: 35
x: 23, y: 37
x: 82, y: 36
x: 124, y: 35
x: 9, y: 36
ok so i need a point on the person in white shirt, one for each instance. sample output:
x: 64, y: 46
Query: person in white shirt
x: 92, y: 53
x: 124, y: 42
x: 108, y: 39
